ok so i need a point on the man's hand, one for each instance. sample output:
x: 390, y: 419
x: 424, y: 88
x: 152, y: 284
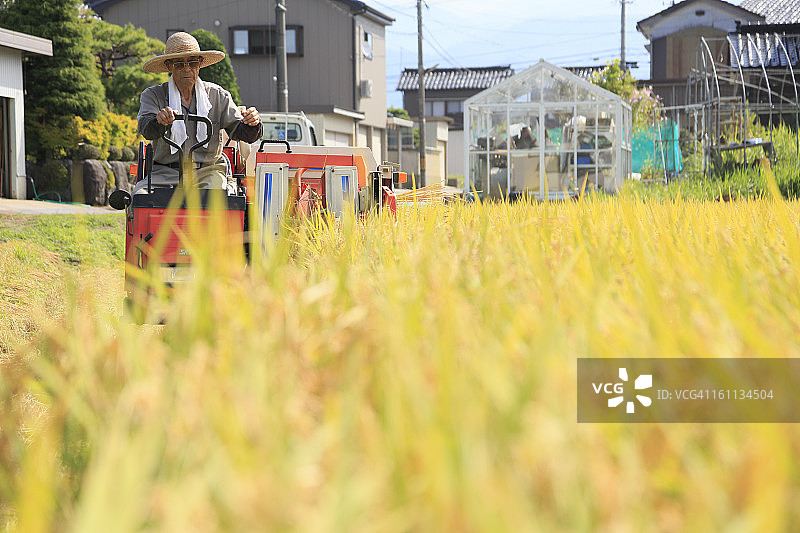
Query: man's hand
x: 250, y: 116
x: 166, y: 116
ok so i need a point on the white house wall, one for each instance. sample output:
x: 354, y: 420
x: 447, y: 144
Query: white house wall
x: 373, y: 107
x: 377, y: 144
x: 11, y: 87
x: 713, y: 17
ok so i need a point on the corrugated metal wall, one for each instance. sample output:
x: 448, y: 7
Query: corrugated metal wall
x: 10, y: 73
x: 11, y: 88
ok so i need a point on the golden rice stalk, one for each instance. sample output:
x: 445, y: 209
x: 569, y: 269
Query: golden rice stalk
x: 435, y: 192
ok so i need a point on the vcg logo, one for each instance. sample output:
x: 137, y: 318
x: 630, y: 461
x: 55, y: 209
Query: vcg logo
x: 644, y: 381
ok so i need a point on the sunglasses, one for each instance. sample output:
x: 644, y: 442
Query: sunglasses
x: 180, y: 65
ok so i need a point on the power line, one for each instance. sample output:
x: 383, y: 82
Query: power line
x: 445, y: 55
x: 396, y: 10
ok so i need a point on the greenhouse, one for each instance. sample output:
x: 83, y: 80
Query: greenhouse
x: 546, y: 133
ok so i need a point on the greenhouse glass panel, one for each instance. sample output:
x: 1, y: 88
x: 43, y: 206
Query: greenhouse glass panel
x: 478, y: 127
x: 477, y: 172
x: 557, y: 121
x: 535, y: 81
x: 585, y: 94
x: 497, y: 133
x: 557, y: 88
x: 524, y: 128
x: 500, y: 97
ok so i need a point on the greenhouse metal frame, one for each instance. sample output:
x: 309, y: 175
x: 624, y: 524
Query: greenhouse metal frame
x: 760, y: 80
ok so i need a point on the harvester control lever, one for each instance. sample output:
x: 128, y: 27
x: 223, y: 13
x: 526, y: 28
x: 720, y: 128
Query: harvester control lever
x: 275, y: 141
x: 187, y: 118
x: 191, y: 118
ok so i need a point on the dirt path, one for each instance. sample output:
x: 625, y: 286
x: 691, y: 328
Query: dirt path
x: 33, y: 207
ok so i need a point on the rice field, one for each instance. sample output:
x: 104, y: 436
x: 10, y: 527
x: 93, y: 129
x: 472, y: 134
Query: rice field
x: 415, y: 375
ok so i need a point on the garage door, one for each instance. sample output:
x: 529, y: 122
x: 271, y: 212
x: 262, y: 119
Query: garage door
x: 334, y: 138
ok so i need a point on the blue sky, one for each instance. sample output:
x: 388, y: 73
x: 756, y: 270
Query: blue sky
x: 473, y: 33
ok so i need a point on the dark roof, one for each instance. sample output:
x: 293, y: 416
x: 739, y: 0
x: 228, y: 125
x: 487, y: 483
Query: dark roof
x: 775, y: 11
x: 99, y: 5
x: 585, y: 72
x: 758, y: 48
x: 355, y: 6
x: 449, y: 79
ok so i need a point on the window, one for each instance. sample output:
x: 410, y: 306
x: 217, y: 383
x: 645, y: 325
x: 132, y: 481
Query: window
x: 283, y: 131
x: 454, y: 106
x: 313, y: 136
x: 406, y: 134
x: 443, y: 107
x: 262, y: 40
x: 434, y: 108
x: 250, y: 42
x: 291, y: 41
x: 366, y: 45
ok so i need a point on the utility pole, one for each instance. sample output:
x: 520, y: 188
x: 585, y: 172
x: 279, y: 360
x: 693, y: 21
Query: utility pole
x: 421, y: 102
x: 280, y: 53
x: 622, y: 62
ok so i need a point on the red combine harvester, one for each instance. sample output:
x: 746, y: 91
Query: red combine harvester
x: 280, y: 182
x: 316, y: 178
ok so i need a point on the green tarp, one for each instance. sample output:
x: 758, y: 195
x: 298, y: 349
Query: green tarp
x: 657, y: 148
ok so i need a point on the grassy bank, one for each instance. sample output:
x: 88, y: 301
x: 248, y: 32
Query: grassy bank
x: 41, y: 255
x: 415, y: 376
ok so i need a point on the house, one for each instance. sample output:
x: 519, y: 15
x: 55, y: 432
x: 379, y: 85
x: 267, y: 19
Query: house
x: 13, y: 46
x: 675, y: 34
x: 446, y: 89
x: 336, y: 56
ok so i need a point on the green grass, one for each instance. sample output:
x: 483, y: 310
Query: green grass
x: 734, y: 178
x: 413, y: 376
x: 90, y: 240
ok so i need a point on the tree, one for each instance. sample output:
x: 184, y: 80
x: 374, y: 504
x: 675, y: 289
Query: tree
x: 613, y: 78
x: 220, y: 73
x: 397, y: 112
x: 60, y: 86
x: 402, y: 113
x: 644, y: 102
x: 66, y: 83
x: 119, y: 53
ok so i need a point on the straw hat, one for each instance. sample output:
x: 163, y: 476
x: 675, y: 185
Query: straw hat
x: 181, y: 45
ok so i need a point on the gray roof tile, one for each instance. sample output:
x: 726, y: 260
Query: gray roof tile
x: 775, y: 11
x: 448, y: 79
x: 587, y: 73
x: 756, y: 48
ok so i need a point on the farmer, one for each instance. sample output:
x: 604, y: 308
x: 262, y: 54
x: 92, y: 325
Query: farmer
x: 185, y: 93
